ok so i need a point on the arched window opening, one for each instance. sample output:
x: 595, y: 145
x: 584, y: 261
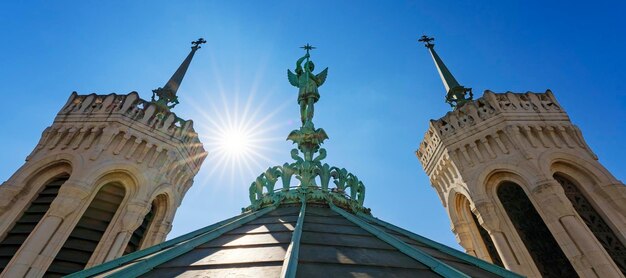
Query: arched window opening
x: 477, y: 231
x: 593, y: 220
x: 535, y: 235
x: 150, y: 223
x: 29, y: 219
x: 140, y: 233
x: 88, y: 232
x: 491, y: 248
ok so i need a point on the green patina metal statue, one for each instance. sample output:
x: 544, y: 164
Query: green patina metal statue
x: 313, y: 175
x: 308, y: 83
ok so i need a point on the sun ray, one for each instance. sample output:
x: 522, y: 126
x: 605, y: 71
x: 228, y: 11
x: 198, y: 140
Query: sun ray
x: 240, y: 130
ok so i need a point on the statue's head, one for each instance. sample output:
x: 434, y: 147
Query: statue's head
x: 310, y: 66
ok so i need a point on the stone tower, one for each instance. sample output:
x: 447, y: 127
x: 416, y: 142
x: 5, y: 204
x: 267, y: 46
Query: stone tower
x: 104, y: 180
x: 520, y: 185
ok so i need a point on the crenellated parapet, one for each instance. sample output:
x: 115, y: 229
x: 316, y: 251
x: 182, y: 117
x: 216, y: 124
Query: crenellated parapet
x: 498, y: 126
x: 128, y: 130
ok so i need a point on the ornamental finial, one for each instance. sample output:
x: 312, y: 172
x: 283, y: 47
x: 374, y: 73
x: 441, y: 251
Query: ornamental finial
x: 427, y: 41
x: 166, y: 95
x: 456, y: 95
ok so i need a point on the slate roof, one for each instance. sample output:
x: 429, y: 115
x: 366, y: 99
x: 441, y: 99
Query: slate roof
x: 319, y: 240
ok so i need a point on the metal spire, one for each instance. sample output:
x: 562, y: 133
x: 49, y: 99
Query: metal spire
x: 167, y: 98
x: 455, y: 93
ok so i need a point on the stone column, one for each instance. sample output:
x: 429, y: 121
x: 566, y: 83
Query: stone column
x: 488, y: 218
x: 131, y: 220
x: 161, y: 232
x: 580, y: 245
x: 70, y: 198
x: 464, y: 236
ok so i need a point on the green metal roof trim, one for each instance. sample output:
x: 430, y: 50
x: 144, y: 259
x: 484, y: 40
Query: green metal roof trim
x: 443, y: 248
x: 170, y: 249
x: 434, y: 264
x: 290, y: 265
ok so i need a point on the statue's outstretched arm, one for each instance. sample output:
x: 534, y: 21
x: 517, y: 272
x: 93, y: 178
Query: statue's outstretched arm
x: 299, y: 64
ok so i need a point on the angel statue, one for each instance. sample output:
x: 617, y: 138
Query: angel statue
x: 308, y: 83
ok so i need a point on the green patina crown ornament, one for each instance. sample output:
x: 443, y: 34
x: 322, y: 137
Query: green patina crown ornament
x: 314, y: 176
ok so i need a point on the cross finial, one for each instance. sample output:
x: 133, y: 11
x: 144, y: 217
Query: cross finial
x: 308, y: 47
x: 196, y: 44
x: 427, y: 41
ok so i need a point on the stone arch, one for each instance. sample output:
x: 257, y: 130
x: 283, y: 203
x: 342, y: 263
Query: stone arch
x: 127, y: 175
x: 535, y: 235
x: 92, y: 228
x: 474, y: 238
x: 25, y: 178
x: 488, y: 180
x: 44, y: 186
x: 590, y: 168
x: 590, y: 181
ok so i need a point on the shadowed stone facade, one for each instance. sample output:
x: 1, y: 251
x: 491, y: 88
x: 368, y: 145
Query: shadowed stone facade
x: 526, y: 140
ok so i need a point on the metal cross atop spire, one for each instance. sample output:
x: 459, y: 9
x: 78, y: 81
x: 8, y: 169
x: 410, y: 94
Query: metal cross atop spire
x: 308, y: 47
x: 196, y: 44
x: 167, y: 98
x: 456, y: 95
x: 427, y: 41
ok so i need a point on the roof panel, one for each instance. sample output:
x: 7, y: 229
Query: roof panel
x: 360, y: 271
x: 232, y: 271
x: 221, y: 256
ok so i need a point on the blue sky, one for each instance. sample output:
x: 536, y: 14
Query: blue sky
x: 381, y: 90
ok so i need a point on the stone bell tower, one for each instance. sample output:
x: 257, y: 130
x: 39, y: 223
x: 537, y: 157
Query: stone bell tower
x: 520, y: 185
x: 104, y: 180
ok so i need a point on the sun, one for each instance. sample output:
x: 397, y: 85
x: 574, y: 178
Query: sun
x: 238, y: 134
x: 235, y: 141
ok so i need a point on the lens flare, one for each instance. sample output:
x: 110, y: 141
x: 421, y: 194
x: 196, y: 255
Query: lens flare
x: 238, y: 137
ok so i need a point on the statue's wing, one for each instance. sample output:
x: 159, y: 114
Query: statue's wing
x: 321, y: 77
x: 293, y: 79
x: 294, y: 135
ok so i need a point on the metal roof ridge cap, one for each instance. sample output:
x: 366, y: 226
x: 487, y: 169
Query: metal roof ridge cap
x: 147, y: 265
x: 444, y: 248
x: 149, y: 251
x: 420, y: 256
x: 290, y: 264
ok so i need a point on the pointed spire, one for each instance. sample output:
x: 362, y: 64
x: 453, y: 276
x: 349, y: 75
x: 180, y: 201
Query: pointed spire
x: 167, y: 94
x: 455, y: 93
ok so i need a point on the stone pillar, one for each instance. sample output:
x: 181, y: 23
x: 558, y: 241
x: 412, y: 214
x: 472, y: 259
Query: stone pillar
x: 463, y: 234
x: 488, y: 218
x: 131, y: 220
x: 161, y: 232
x: 578, y: 243
x: 28, y: 261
